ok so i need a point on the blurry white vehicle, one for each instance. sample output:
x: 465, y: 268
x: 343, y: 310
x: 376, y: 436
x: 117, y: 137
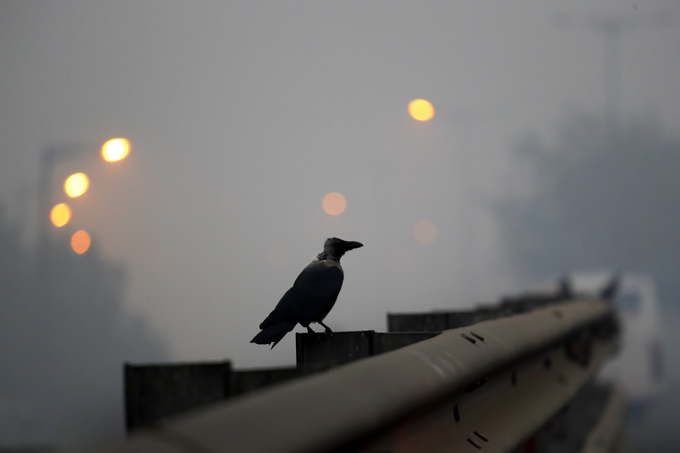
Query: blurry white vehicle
x: 638, y: 367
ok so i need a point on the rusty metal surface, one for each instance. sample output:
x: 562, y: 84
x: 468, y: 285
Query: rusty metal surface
x: 422, y: 383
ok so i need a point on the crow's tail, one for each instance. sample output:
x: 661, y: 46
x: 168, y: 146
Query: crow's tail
x: 274, y: 333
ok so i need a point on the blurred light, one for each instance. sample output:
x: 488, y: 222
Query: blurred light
x: 334, y: 203
x: 76, y: 185
x: 60, y: 214
x: 277, y: 255
x: 115, y: 149
x: 425, y: 232
x: 80, y: 242
x: 421, y: 110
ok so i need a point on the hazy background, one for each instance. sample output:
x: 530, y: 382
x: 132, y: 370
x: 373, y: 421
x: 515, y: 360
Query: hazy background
x: 243, y: 115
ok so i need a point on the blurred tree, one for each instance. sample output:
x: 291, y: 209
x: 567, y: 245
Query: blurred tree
x: 599, y: 202
x: 61, y: 380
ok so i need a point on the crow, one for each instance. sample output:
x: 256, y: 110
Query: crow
x: 611, y: 288
x: 312, y: 296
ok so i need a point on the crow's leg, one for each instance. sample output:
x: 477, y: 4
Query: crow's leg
x: 309, y: 330
x: 328, y: 329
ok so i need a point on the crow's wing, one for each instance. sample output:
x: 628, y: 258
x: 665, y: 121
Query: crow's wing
x: 314, y: 291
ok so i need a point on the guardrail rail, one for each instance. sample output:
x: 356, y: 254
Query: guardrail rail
x: 492, y: 386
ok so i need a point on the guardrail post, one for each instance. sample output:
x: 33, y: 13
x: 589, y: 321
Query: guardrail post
x: 156, y: 392
x: 246, y: 381
x: 440, y: 320
x: 326, y: 350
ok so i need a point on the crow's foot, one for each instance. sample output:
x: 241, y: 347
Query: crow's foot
x: 328, y: 329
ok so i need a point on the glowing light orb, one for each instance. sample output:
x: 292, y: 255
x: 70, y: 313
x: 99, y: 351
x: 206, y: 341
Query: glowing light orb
x: 421, y: 109
x: 80, y: 242
x: 115, y: 149
x: 60, y: 214
x: 334, y: 203
x: 425, y: 232
x: 76, y: 185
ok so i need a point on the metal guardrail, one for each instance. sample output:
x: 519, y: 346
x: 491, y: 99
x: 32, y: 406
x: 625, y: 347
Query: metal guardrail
x: 485, y: 387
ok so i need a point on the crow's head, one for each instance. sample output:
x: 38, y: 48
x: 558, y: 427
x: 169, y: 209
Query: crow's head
x: 334, y: 248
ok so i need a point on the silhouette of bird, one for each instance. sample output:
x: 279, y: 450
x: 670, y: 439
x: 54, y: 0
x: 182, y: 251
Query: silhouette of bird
x: 564, y: 290
x: 312, y: 296
x: 612, y: 287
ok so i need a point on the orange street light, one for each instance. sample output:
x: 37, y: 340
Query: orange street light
x: 421, y: 109
x: 425, y: 232
x: 60, y: 214
x: 334, y: 203
x: 80, y: 242
x: 76, y: 185
x: 115, y: 149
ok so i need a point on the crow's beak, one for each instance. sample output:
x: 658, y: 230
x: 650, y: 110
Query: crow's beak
x: 350, y: 245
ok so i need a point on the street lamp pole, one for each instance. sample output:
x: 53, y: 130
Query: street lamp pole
x: 48, y: 161
x: 44, y: 292
x: 612, y: 29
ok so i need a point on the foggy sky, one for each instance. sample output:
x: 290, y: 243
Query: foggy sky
x: 243, y: 115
